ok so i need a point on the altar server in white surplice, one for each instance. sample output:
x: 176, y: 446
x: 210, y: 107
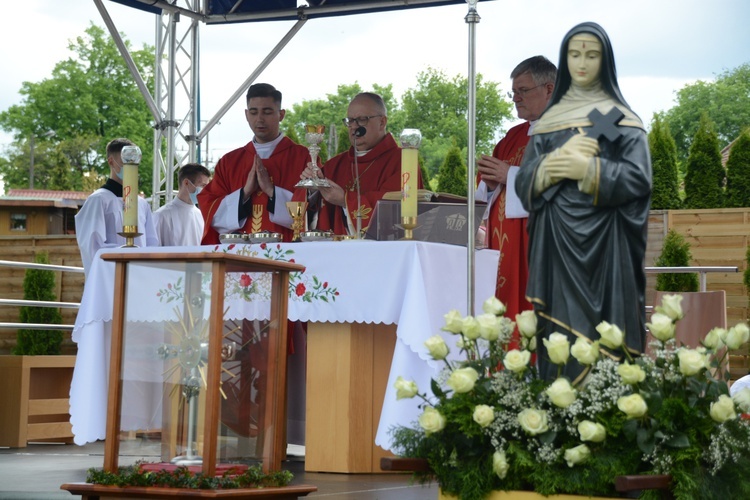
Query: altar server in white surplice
x: 180, y: 222
x: 100, y: 217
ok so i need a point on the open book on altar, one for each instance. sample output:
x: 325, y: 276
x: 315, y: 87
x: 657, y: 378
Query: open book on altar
x: 437, y: 222
x: 426, y: 195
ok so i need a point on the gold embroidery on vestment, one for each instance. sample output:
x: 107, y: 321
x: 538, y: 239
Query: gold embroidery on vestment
x: 257, y: 223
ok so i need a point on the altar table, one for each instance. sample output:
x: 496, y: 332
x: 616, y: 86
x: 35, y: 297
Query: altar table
x: 408, y: 284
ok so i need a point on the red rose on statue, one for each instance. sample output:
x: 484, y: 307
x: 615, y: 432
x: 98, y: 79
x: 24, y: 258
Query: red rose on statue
x: 300, y: 290
x: 246, y: 280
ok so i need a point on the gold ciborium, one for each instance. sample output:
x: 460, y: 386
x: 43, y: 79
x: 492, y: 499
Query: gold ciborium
x: 297, y: 211
x: 314, y: 135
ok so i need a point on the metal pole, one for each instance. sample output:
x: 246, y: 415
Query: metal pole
x: 472, y: 19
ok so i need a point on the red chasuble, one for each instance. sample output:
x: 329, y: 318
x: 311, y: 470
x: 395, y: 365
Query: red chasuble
x: 509, y: 236
x: 284, y: 166
x: 379, y: 173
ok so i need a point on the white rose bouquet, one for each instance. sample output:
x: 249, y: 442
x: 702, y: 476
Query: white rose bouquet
x: 490, y: 423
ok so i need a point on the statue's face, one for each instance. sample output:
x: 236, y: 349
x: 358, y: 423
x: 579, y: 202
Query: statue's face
x: 584, y: 59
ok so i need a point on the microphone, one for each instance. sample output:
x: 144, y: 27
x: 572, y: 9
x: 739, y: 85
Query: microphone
x: 360, y: 131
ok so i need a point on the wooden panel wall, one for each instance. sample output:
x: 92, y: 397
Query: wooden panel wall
x: 62, y: 250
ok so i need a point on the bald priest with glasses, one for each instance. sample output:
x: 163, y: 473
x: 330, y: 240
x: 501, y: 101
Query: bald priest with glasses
x: 373, y: 163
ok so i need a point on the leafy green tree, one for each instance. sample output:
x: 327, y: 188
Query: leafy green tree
x: 39, y: 284
x: 726, y: 101
x: 704, y: 179
x: 438, y: 107
x: 89, y: 99
x: 665, y: 193
x: 738, y: 172
x: 675, y: 253
x: 452, y: 176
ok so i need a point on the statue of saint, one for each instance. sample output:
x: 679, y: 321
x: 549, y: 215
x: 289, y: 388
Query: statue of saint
x: 586, y: 181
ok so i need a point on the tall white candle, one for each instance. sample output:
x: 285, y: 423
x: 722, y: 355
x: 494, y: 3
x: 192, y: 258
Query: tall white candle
x: 410, y: 141
x: 131, y: 158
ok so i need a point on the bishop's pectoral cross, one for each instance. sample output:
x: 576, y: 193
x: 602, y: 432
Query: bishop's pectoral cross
x: 605, y: 125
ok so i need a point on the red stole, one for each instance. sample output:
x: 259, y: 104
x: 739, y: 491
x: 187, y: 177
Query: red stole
x: 509, y: 236
x: 284, y: 166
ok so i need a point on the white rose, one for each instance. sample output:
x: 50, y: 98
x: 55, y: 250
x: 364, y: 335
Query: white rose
x: 526, y: 322
x: 722, y: 409
x: 470, y: 328
x: 489, y: 326
x: 462, y: 343
x: 453, y: 321
x: 591, y: 431
x: 670, y: 306
x: 500, y: 464
x: 483, y: 415
x: 405, y: 388
x: 736, y: 336
x: 585, y: 351
x: 431, y: 420
x: 516, y: 361
x: 577, y: 455
x: 463, y: 379
x: 633, y: 405
x: 493, y: 306
x: 561, y: 393
x: 436, y: 347
x: 533, y: 421
x: 558, y: 348
x: 631, y: 374
x: 742, y: 399
x: 712, y: 340
x: 661, y: 327
x: 691, y: 361
x: 611, y: 335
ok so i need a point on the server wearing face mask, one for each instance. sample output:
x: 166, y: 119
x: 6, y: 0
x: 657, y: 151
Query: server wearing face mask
x: 100, y: 219
x: 180, y: 222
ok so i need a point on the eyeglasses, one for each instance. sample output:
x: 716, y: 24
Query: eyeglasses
x: 361, y: 121
x: 521, y: 92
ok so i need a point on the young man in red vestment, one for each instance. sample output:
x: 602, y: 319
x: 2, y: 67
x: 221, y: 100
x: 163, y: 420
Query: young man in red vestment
x: 532, y: 82
x: 373, y: 163
x: 251, y: 185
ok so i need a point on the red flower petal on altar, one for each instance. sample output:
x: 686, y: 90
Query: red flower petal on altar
x: 246, y: 280
x: 335, y: 293
x: 169, y: 285
x: 158, y: 294
x: 263, y: 246
x: 291, y: 260
x: 325, y: 284
x: 230, y: 246
x: 300, y: 290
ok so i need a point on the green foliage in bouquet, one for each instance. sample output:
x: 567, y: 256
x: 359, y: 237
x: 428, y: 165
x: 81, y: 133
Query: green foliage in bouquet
x: 492, y: 424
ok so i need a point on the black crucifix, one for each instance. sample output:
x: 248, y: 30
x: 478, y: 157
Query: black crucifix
x: 605, y: 125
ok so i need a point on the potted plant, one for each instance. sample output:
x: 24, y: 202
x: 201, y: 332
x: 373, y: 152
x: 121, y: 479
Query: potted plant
x: 35, y: 382
x: 490, y: 423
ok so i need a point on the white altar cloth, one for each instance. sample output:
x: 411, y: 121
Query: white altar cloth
x: 408, y: 283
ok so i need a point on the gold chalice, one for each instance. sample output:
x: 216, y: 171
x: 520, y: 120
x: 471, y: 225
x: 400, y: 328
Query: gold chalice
x: 297, y: 211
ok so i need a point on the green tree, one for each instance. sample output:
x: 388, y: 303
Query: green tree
x: 665, y: 193
x: 89, y: 99
x: 738, y: 172
x: 704, y: 179
x: 675, y: 253
x: 452, y: 176
x: 332, y: 110
x: 39, y: 284
x: 438, y: 107
x: 726, y: 101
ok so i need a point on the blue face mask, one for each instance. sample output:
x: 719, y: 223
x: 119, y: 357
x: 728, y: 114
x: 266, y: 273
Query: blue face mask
x: 119, y: 174
x: 194, y: 196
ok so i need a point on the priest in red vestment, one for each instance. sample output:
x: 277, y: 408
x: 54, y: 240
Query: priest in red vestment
x: 251, y: 185
x: 373, y: 164
x: 532, y: 83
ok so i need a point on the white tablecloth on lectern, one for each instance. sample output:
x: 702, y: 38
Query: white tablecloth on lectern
x: 408, y: 283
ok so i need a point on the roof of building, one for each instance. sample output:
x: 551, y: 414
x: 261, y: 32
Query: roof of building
x: 43, y: 197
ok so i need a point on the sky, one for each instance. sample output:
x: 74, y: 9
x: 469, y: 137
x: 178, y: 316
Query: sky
x: 660, y: 46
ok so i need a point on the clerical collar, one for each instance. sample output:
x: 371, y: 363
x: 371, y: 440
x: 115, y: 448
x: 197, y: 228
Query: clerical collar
x: 362, y: 153
x: 114, y: 187
x: 265, y: 150
x: 531, y: 126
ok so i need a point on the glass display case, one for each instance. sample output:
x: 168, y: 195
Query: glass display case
x: 208, y: 379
